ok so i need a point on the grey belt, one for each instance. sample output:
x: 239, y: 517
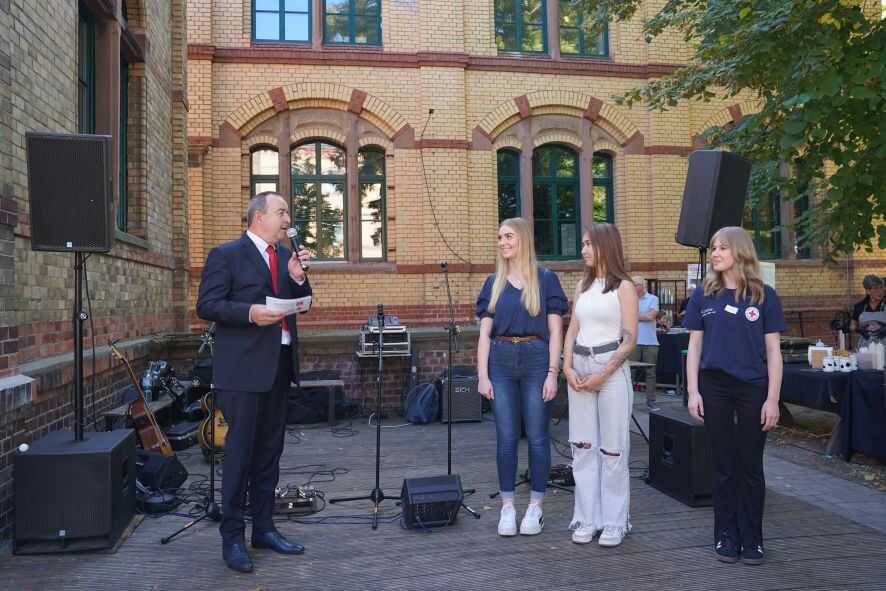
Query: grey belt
x: 598, y: 350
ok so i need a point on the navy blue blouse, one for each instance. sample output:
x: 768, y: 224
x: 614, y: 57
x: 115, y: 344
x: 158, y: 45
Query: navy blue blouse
x: 511, y: 318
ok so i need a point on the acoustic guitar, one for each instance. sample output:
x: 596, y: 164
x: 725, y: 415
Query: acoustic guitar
x: 204, y: 433
x: 149, y: 433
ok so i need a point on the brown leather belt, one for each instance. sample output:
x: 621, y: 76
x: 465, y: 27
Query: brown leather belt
x: 515, y: 340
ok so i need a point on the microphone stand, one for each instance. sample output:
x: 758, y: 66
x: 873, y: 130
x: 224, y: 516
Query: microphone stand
x: 212, y: 509
x: 452, y: 330
x: 377, y: 495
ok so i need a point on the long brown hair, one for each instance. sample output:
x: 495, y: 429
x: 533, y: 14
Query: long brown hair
x: 608, y: 256
x: 747, y: 267
x: 525, y: 261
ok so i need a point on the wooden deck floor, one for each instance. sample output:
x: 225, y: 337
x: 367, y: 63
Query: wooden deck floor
x: 807, y: 547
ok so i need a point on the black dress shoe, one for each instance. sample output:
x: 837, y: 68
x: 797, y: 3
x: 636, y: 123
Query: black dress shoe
x: 726, y: 549
x: 273, y: 540
x: 237, y: 558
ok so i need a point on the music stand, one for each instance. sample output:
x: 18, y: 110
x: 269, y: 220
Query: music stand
x: 377, y: 495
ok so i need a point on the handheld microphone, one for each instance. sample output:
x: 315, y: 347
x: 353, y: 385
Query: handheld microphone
x: 292, y: 233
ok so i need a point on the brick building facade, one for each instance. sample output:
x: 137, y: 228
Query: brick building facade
x: 115, y: 67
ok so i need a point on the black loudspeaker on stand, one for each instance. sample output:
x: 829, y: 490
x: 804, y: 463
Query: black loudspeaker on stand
x: 211, y: 508
x: 377, y: 495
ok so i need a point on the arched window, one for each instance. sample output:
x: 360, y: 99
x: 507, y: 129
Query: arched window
x: 604, y: 206
x: 508, y: 184
x: 264, y: 170
x: 319, y: 198
x: 371, y: 181
x: 555, y: 196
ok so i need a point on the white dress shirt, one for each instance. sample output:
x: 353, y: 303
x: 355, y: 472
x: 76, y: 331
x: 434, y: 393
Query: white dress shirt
x: 262, y: 246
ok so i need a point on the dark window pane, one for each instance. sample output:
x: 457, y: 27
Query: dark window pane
x: 508, y: 163
x: 297, y: 27
x: 569, y: 14
x: 544, y: 240
x: 365, y: 30
x: 567, y: 202
x: 506, y: 37
x: 504, y: 9
x: 304, y: 201
x: 508, y: 201
x: 337, y: 29
x: 367, y: 7
x: 267, y: 4
x: 602, y: 167
x: 264, y: 162
x: 533, y: 11
x: 541, y: 161
x: 370, y: 163
x: 304, y: 160
x: 568, y: 240
x: 542, y: 202
x: 601, y: 197
x: 533, y: 38
x: 569, y: 40
x: 332, y: 160
x: 267, y: 25
x: 337, y: 6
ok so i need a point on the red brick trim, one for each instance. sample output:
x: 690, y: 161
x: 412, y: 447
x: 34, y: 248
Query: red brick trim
x: 634, y: 144
x: 203, y: 141
x: 523, y: 107
x: 443, y: 143
x: 404, y: 138
x: 375, y: 57
x: 358, y: 97
x: 228, y: 137
x: 480, y: 140
x: 735, y: 112
x: 592, y: 113
x: 667, y: 150
x: 278, y: 97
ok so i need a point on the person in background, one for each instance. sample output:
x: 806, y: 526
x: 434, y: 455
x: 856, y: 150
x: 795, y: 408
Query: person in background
x: 647, y: 338
x: 869, y: 306
x: 661, y: 321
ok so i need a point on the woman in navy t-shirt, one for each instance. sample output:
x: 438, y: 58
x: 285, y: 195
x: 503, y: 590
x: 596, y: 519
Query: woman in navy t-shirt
x: 734, y: 368
x: 518, y: 359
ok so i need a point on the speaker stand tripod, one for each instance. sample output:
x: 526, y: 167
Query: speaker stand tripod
x: 377, y: 495
x: 211, y: 509
x: 452, y: 329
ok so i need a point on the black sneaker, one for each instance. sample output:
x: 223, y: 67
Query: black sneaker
x: 726, y: 549
x: 752, y: 554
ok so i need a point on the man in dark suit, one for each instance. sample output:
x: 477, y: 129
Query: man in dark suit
x: 255, y: 360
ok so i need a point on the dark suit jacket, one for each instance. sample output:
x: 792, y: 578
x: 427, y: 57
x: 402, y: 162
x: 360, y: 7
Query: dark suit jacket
x: 245, y: 355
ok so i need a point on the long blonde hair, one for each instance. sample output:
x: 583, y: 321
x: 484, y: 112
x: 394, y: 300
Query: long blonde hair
x: 747, y: 267
x: 526, y: 264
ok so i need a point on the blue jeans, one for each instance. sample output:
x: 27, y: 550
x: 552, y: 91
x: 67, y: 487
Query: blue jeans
x: 517, y: 372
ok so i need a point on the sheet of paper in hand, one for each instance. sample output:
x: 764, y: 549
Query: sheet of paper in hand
x: 297, y: 305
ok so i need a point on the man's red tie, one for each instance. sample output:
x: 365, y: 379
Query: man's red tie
x: 272, y: 263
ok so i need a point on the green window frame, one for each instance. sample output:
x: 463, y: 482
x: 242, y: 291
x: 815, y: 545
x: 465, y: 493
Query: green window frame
x: 556, y: 204
x: 579, y: 34
x: 352, y: 22
x: 603, y: 188
x: 320, y: 198
x: 122, y: 159
x: 85, y: 73
x: 508, y: 166
x: 762, y: 220
x: 281, y: 21
x: 264, y: 170
x: 521, y: 26
x: 373, y: 204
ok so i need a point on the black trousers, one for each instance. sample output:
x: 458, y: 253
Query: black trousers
x: 253, y: 446
x: 736, y: 439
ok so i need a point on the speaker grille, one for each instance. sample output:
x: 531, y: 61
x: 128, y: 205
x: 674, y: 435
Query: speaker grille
x: 70, y: 192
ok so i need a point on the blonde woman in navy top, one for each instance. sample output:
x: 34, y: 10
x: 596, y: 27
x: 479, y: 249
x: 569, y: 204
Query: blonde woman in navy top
x: 734, y: 370
x: 518, y: 359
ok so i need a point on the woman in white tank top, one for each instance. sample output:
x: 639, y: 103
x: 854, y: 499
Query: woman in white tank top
x: 601, y: 336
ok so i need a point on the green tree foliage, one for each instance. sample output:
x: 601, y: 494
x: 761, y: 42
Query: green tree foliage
x: 817, y: 68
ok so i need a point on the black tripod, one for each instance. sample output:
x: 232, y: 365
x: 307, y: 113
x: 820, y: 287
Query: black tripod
x: 377, y: 495
x: 452, y: 329
x: 211, y: 510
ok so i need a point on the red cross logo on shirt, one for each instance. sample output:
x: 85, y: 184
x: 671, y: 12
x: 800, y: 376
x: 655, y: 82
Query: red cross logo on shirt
x: 752, y: 314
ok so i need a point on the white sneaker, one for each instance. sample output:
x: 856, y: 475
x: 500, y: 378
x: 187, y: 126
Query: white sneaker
x: 533, y: 521
x: 584, y: 534
x: 611, y: 536
x: 507, y: 523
